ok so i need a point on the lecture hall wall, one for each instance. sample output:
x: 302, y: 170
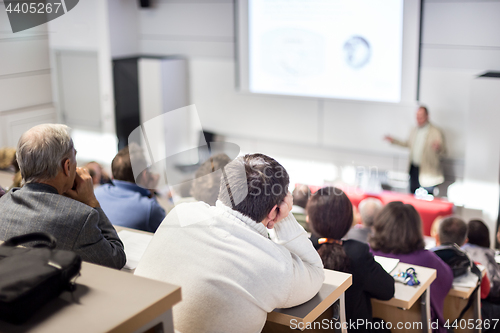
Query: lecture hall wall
x: 25, y: 84
x: 460, y: 40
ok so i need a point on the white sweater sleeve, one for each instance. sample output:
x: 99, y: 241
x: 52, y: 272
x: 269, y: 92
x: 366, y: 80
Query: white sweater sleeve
x: 307, y: 272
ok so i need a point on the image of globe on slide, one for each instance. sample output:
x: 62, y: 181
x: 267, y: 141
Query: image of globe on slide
x: 357, y: 52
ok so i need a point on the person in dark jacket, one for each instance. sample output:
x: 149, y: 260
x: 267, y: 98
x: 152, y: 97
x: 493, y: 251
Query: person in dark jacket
x: 330, y: 214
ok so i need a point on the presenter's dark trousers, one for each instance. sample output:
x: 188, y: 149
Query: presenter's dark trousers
x: 414, y: 184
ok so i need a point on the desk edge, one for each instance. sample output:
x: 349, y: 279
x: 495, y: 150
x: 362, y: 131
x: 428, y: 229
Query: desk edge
x: 150, y: 313
x: 284, y: 318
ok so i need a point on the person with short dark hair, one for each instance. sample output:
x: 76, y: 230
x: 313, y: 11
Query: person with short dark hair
x: 206, y: 184
x: 58, y: 198
x: 452, y: 230
x: 452, y: 234
x: 397, y: 233
x: 231, y: 273
x: 478, y: 248
x: 125, y: 202
x: 330, y: 215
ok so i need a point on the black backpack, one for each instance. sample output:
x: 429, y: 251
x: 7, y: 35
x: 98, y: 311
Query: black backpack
x: 460, y: 263
x: 31, y: 277
x: 456, y: 258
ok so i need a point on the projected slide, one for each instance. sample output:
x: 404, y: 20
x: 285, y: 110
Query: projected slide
x: 349, y: 49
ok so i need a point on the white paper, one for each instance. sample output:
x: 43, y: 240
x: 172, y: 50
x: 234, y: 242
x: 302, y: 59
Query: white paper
x: 468, y: 280
x: 135, y: 244
x: 430, y: 242
x: 388, y: 264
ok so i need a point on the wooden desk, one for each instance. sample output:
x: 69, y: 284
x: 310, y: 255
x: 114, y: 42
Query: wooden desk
x: 317, y: 309
x: 402, y: 307
x: 106, y: 300
x: 457, y: 299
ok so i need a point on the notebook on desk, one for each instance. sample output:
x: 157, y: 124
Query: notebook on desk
x: 388, y: 264
x: 135, y: 246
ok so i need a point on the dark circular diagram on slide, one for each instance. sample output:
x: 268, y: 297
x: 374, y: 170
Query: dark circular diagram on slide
x: 357, y: 52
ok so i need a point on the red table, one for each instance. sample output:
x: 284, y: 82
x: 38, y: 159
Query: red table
x: 354, y: 194
x: 428, y: 210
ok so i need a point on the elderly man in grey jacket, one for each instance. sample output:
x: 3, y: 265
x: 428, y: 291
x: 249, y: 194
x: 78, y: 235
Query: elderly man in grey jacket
x: 58, y: 198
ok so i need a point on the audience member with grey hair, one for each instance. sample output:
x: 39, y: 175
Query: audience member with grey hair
x: 181, y: 193
x: 301, y: 195
x: 40, y: 149
x: 368, y: 209
x: 59, y: 199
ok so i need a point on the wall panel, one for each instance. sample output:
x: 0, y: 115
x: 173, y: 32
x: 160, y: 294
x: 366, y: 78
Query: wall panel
x: 460, y: 39
x: 228, y: 112
x: 188, y: 19
x: 25, y: 91
x: 473, y: 23
x: 362, y: 126
x: 192, y: 49
x: 459, y: 58
x: 23, y: 55
x: 14, y: 124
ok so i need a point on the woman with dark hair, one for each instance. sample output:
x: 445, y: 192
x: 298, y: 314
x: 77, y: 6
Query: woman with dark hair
x: 398, y: 234
x: 478, y: 248
x: 330, y: 215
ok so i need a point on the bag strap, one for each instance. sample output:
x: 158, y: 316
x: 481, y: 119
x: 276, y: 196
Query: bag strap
x: 33, y: 237
x: 477, y: 272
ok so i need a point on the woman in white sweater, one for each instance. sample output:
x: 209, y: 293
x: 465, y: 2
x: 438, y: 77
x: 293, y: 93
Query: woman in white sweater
x: 230, y: 272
